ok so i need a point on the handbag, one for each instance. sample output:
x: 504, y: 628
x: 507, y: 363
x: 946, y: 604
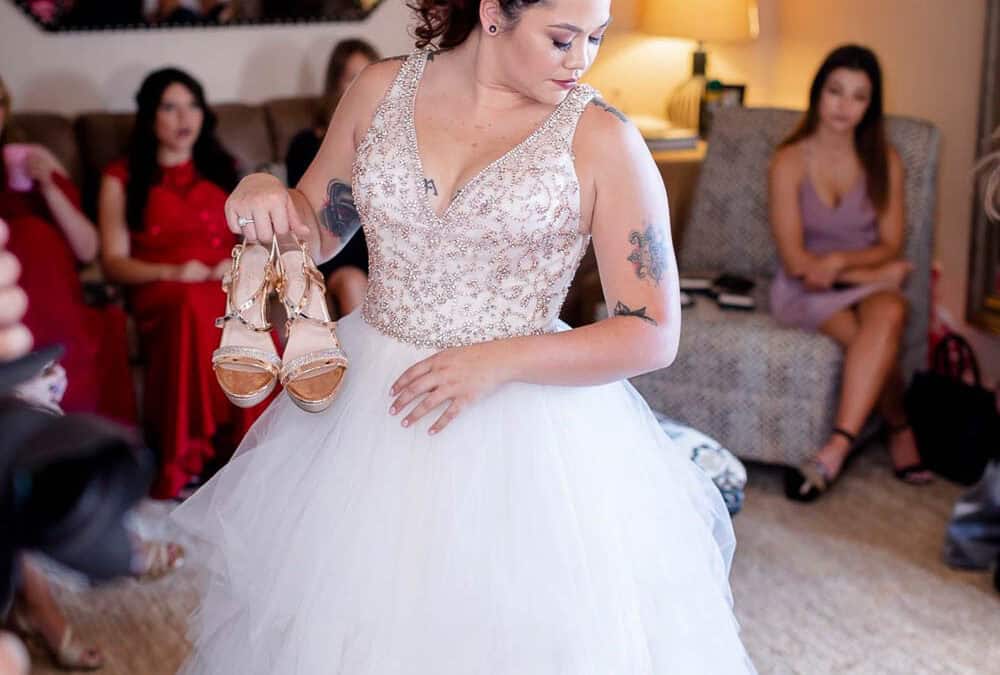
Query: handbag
x: 955, y: 422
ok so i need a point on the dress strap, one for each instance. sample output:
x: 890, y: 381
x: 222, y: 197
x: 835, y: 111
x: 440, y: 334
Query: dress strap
x: 409, y: 73
x: 571, y: 110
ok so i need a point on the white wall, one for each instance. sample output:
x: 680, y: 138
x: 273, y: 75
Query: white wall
x: 70, y: 72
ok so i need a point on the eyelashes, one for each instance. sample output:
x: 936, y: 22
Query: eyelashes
x: 564, y: 46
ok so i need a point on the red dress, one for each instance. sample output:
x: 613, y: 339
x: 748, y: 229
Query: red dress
x: 96, y: 358
x: 186, y: 414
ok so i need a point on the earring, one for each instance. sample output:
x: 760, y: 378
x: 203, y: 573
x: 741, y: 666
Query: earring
x: 493, y: 30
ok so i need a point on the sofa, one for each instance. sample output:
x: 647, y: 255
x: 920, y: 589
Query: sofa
x: 766, y: 392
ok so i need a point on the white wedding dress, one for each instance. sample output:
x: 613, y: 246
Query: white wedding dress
x: 546, y: 531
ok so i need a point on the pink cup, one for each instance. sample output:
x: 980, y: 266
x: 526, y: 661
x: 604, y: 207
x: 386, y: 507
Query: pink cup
x: 15, y: 157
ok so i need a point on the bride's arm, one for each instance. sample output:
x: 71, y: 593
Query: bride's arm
x: 630, y: 224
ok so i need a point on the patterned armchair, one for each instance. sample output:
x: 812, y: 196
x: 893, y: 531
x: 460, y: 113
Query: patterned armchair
x: 766, y: 392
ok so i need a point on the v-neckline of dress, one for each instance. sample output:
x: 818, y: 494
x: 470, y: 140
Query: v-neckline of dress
x: 843, y: 199
x: 411, y: 115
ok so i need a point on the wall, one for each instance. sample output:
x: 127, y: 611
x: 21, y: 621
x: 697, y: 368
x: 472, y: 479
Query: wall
x: 931, y: 54
x: 71, y: 72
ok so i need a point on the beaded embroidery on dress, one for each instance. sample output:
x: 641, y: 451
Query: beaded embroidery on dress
x: 499, y: 261
x: 546, y: 531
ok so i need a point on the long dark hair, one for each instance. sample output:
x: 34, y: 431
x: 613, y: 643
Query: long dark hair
x: 211, y: 160
x: 344, y: 50
x: 450, y: 22
x: 869, y: 137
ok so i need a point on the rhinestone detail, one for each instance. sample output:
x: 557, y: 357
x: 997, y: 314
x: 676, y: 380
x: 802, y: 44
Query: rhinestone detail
x: 271, y: 360
x: 499, y: 260
x: 302, y: 363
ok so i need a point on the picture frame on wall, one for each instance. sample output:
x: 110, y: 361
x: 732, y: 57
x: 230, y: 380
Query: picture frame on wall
x: 718, y: 95
x: 59, y: 16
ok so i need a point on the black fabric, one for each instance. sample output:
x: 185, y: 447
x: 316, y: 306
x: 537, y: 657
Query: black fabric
x: 301, y: 152
x: 973, y: 539
x: 955, y: 422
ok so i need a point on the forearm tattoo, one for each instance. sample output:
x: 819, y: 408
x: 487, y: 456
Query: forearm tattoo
x: 621, y: 309
x: 429, y: 186
x: 649, y: 253
x: 603, y: 105
x: 339, y: 215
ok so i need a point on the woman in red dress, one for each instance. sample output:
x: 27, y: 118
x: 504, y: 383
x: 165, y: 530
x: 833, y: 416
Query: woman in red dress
x: 164, y: 237
x: 51, y: 237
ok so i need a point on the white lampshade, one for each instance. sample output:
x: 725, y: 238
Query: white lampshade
x: 703, y: 20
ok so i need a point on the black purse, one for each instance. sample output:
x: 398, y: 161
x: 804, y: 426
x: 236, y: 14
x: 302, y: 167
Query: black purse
x: 955, y: 423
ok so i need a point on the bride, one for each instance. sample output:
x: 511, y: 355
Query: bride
x: 480, y: 491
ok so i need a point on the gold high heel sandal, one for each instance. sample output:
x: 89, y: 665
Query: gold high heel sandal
x: 69, y: 654
x: 314, y: 364
x: 246, y: 364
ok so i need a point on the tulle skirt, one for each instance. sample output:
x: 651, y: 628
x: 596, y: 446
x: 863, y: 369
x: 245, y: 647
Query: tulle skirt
x: 546, y: 531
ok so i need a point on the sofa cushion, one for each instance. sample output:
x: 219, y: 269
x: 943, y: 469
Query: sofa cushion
x: 766, y: 392
x: 243, y: 131
x: 102, y: 138
x: 55, y: 132
x: 287, y: 117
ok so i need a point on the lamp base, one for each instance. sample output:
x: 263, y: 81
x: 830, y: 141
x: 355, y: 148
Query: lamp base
x: 684, y: 106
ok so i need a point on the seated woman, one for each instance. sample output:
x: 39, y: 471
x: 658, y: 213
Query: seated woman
x: 51, y: 237
x: 836, y: 199
x: 347, y: 274
x: 164, y: 237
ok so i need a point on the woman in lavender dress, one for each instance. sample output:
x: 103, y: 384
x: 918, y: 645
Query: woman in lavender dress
x: 836, y: 194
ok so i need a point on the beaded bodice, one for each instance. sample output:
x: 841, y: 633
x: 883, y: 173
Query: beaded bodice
x: 499, y: 260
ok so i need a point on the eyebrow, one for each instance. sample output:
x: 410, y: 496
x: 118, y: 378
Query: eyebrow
x: 576, y: 29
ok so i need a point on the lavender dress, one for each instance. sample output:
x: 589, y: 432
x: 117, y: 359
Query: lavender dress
x: 850, y: 226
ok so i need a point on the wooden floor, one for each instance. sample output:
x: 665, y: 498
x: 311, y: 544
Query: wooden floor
x: 852, y: 584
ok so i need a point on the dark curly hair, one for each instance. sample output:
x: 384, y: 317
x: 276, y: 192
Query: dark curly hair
x: 212, y: 161
x: 447, y: 23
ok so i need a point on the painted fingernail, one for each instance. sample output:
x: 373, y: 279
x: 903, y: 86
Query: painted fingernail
x: 432, y: 432
x: 392, y: 411
x: 406, y: 423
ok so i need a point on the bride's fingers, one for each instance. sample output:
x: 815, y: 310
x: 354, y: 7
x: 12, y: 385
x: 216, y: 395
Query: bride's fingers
x: 261, y: 225
x: 417, y: 387
x: 430, y: 402
x: 295, y: 222
x: 279, y: 220
x: 450, y: 413
x: 418, y: 369
x: 232, y: 218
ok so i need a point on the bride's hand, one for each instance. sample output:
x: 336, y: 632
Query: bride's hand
x: 264, y: 200
x: 458, y: 376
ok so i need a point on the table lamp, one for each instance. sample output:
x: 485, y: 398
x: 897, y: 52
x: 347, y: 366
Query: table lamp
x: 725, y: 21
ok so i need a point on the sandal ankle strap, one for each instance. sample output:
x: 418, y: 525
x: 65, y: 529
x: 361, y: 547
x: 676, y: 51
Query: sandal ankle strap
x: 837, y: 431
x: 229, y: 286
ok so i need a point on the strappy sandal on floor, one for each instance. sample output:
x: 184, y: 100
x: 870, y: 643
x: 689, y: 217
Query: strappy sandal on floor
x: 911, y: 474
x: 246, y: 364
x: 809, y: 480
x: 314, y: 364
x: 69, y: 654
